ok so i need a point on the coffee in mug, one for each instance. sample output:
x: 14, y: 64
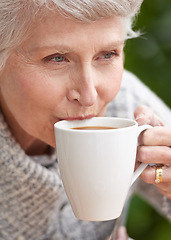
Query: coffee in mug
x: 93, y: 128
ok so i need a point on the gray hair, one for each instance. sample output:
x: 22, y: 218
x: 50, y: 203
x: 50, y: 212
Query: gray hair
x: 16, y: 17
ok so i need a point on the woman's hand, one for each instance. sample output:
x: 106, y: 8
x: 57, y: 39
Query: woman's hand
x: 154, y: 148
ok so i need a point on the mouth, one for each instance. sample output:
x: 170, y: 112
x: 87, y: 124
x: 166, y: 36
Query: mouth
x: 79, y: 117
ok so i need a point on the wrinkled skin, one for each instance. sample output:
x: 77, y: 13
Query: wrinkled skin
x: 64, y: 70
x: 154, y: 148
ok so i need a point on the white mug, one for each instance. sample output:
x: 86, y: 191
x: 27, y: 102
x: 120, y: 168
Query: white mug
x: 97, y: 166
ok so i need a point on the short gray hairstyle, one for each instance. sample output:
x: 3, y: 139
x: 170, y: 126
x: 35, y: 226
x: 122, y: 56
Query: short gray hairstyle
x: 16, y: 17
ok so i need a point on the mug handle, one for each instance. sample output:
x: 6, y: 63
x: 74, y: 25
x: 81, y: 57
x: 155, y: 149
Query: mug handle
x: 142, y: 166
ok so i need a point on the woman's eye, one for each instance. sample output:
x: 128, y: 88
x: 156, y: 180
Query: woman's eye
x: 56, y: 58
x: 109, y: 55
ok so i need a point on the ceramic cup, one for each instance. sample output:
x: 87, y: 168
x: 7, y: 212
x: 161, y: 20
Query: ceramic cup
x: 97, y: 166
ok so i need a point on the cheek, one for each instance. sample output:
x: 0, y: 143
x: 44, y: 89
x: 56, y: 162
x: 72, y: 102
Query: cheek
x: 31, y: 97
x: 38, y: 90
x: 110, y: 84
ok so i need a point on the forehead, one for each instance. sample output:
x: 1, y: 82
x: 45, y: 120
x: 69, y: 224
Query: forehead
x: 56, y: 30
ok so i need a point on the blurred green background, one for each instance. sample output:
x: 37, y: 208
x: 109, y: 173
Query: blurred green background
x: 149, y: 57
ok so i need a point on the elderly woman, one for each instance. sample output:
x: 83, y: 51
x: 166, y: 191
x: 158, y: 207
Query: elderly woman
x: 64, y: 60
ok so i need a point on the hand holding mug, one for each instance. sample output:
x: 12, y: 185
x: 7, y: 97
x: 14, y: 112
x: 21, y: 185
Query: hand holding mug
x: 155, y: 148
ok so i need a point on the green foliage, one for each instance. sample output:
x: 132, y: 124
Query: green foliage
x: 149, y: 56
x: 144, y: 223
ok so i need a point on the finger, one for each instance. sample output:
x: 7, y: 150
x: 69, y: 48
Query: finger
x: 149, y: 175
x: 157, y: 136
x: 144, y: 115
x: 154, y: 154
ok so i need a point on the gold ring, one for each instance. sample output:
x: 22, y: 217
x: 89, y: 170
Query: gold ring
x: 159, y: 174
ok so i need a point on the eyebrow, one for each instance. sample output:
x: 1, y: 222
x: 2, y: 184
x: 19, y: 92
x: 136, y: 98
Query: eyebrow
x: 66, y: 49
x: 113, y: 45
x: 58, y: 48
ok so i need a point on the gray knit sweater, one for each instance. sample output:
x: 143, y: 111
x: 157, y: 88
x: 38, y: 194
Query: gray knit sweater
x: 33, y: 204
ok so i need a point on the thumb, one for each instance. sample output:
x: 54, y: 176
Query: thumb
x: 144, y: 115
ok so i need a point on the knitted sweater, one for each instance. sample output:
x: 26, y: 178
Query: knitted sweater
x: 33, y: 204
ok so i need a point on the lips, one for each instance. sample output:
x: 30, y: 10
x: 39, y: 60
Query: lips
x: 79, y: 117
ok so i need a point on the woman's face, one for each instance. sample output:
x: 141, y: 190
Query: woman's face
x: 64, y: 70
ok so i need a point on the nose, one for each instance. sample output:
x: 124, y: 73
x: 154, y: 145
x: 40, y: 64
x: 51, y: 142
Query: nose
x: 83, y: 88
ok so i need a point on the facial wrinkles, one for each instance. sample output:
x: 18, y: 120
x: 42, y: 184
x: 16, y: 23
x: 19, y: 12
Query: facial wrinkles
x: 79, y: 50
x: 62, y: 34
x: 36, y: 92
